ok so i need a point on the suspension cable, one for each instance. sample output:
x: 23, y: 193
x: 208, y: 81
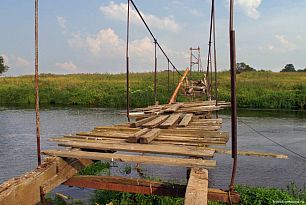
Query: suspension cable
x: 155, y: 40
x: 36, y: 87
x: 127, y: 64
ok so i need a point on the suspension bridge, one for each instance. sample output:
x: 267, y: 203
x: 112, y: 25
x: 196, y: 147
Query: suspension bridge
x: 178, y: 134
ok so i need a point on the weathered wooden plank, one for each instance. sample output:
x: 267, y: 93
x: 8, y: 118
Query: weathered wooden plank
x: 135, y: 137
x: 143, y: 148
x: 185, y: 121
x: 171, y: 121
x: 143, y: 121
x: 156, y: 122
x: 149, y: 136
x: 173, y: 108
x: 116, y: 128
x: 26, y: 189
x: 197, y: 188
x: 133, y: 159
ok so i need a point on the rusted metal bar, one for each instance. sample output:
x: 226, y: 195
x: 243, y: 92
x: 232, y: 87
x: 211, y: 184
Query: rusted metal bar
x: 233, y: 94
x: 155, y: 72
x: 36, y: 87
x: 159, y: 46
x: 179, y: 85
x: 128, y: 64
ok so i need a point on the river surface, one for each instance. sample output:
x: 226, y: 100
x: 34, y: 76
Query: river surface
x: 18, y: 145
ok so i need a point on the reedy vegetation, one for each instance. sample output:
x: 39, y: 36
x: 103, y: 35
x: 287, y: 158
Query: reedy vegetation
x: 254, y: 90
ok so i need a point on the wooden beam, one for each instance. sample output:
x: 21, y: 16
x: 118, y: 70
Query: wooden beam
x: 149, y: 137
x: 171, y: 121
x: 179, y: 85
x: 26, y: 189
x: 142, y: 148
x: 156, y: 122
x: 143, y: 121
x: 185, y: 121
x: 197, y: 188
x: 133, y: 159
x: 135, y: 137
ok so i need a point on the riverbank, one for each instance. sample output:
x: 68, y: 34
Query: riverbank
x: 266, y: 90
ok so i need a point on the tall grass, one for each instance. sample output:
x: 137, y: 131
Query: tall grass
x: 254, y: 90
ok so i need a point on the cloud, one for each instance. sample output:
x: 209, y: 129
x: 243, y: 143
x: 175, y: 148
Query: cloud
x: 69, y: 66
x: 250, y: 7
x: 285, y: 42
x: 61, y: 22
x: 281, y: 45
x: 21, y: 62
x: 119, y: 12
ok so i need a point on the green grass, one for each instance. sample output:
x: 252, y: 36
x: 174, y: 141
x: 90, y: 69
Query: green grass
x: 254, y: 90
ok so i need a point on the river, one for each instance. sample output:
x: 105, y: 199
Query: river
x: 18, y: 145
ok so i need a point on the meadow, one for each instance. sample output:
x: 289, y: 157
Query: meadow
x: 266, y: 90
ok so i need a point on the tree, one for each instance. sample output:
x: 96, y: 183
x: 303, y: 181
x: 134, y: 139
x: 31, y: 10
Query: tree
x: 242, y: 67
x: 3, y: 67
x: 301, y: 70
x: 289, y: 68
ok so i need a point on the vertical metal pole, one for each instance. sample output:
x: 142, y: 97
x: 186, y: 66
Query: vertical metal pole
x: 199, y: 59
x: 215, y: 56
x: 209, y: 51
x: 155, y: 71
x: 190, y: 63
x: 36, y: 86
x: 168, y: 77
x: 128, y: 64
x: 233, y: 94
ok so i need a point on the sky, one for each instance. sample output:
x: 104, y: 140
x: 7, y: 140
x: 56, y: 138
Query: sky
x: 81, y: 36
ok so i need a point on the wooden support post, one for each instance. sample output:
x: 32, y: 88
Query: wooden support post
x: 197, y: 188
x: 173, y: 97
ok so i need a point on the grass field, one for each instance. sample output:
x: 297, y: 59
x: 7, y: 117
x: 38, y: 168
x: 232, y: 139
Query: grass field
x: 254, y: 90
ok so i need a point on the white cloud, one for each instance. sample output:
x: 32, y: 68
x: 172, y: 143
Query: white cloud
x: 61, y: 22
x: 21, y: 62
x: 69, y: 66
x: 285, y: 42
x: 119, y: 12
x: 250, y: 7
x: 281, y: 45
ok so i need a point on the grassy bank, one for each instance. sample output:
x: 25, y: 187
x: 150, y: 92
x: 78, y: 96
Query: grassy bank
x: 254, y: 90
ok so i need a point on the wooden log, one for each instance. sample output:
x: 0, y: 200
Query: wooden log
x: 142, y: 148
x: 185, y: 121
x: 136, y: 137
x: 171, y: 121
x: 132, y: 159
x: 143, y: 121
x: 156, y: 122
x: 149, y: 137
x: 197, y: 188
x: 26, y: 189
x: 173, y: 97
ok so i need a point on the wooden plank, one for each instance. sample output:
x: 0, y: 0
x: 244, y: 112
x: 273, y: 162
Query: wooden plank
x: 173, y: 108
x: 143, y: 121
x: 143, y: 148
x: 136, y: 137
x: 132, y: 158
x: 26, y: 189
x: 149, y: 137
x: 156, y: 122
x: 197, y: 188
x: 117, y: 128
x: 173, y: 97
x: 171, y: 121
x: 185, y: 121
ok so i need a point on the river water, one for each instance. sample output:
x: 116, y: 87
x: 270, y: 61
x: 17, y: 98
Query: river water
x: 18, y: 145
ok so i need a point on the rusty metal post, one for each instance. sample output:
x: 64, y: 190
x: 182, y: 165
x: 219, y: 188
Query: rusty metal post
x: 128, y: 64
x: 155, y: 71
x: 168, y: 77
x: 233, y: 94
x: 215, y: 56
x: 36, y: 87
x: 190, y: 72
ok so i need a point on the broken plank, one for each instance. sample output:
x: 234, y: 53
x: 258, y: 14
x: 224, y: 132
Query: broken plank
x: 185, y: 121
x: 135, y: 137
x: 143, y: 121
x: 156, y: 122
x: 142, y: 148
x: 149, y: 136
x: 171, y: 121
x: 182, y: 162
x: 197, y: 188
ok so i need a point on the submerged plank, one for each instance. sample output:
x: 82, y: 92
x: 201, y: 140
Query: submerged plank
x: 197, y: 188
x: 143, y: 148
x: 133, y: 159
